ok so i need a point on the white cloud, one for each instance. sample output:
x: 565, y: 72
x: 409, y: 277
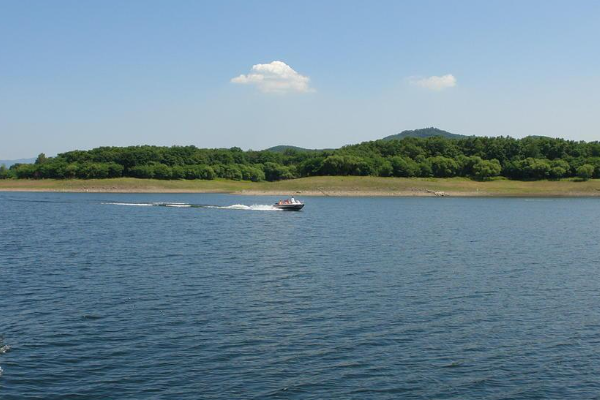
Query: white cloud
x: 276, y: 77
x: 434, y: 82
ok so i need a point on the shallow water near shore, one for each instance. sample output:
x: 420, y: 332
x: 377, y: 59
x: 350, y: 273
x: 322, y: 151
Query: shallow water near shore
x: 188, y: 296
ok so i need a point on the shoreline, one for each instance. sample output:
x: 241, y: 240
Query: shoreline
x: 422, y: 194
x: 317, y: 194
x: 319, y: 187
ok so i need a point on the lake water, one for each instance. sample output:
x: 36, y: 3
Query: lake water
x: 102, y: 297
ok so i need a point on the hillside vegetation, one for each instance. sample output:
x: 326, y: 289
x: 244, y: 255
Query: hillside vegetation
x: 424, y: 134
x: 480, y: 158
x: 284, y: 148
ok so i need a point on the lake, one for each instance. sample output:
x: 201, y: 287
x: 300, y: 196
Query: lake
x: 109, y: 296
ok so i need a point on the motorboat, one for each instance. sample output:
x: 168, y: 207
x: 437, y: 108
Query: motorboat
x: 289, y: 205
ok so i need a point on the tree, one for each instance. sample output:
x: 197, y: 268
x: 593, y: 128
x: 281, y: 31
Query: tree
x: 404, y: 167
x: 228, y: 171
x: 595, y: 162
x: 41, y: 158
x: 24, y: 171
x: 530, y: 169
x: 115, y: 170
x: 466, y: 164
x: 585, y: 172
x: 385, y: 169
x: 251, y: 173
x: 276, y: 172
x: 311, y: 166
x: 72, y: 170
x: 559, y: 169
x: 425, y: 169
x: 142, y: 172
x: 443, y: 167
x: 162, y: 171
x: 199, y: 172
x: 485, y: 169
x: 3, y: 172
x: 52, y: 169
x: 177, y: 172
x: 346, y: 165
x: 93, y: 171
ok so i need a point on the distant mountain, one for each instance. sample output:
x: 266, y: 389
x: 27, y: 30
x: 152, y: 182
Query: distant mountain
x: 425, y: 133
x: 8, y: 163
x: 282, y: 148
x: 417, y: 133
x: 538, y: 137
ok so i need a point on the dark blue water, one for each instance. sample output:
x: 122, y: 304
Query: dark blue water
x: 372, y: 298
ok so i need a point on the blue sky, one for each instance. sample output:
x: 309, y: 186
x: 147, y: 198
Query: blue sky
x: 82, y: 74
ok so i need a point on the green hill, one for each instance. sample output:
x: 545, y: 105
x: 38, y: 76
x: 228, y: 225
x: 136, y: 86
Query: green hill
x: 283, y: 148
x: 417, y: 133
x: 425, y: 133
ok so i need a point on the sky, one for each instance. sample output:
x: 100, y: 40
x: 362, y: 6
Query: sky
x: 315, y: 74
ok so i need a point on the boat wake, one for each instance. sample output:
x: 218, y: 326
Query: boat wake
x: 254, y: 207
x: 132, y: 204
x: 3, y: 349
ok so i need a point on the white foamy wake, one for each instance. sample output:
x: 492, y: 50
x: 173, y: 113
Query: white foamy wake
x: 254, y: 207
x: 132, y: 204
x: 161, y: 204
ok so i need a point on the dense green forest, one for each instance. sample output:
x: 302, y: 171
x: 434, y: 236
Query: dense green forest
x: 482, y: 158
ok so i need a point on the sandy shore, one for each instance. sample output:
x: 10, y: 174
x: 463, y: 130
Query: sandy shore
x: 320, y: 186
x: 109, y: 190
x: 365, y: 193
x: 310, y: 193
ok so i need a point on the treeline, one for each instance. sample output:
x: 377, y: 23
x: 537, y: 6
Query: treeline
x: 531, y: 158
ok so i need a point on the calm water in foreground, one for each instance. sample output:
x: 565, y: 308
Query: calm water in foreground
x: 371, y: 298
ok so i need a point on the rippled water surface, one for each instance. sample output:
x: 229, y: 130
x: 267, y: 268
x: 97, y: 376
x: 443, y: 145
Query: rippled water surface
x: 123, y: 296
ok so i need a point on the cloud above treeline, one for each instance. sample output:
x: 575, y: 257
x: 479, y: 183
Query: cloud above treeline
x: 436, y: 83
x: 275, y: 77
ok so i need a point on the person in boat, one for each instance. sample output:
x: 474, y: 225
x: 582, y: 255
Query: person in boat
x: 292, y: 200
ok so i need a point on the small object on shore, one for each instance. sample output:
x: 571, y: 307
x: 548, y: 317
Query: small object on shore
x: 437, y: 194
x: 290, y: 204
